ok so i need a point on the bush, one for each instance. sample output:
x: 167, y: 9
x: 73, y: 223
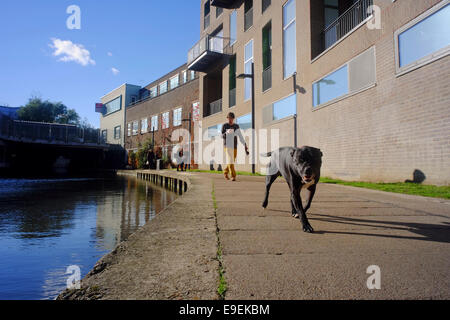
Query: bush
x: 141, y: 155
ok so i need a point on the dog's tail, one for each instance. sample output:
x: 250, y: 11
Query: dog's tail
x: 266, y: 155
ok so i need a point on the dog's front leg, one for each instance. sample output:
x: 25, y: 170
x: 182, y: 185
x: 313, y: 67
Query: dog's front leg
x: 297, y: 202
x: 311, y: 193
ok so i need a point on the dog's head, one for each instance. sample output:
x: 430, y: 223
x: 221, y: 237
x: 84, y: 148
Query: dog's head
x: 307, y: 162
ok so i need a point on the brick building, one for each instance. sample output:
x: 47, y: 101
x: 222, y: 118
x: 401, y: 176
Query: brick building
x: 163, y: 106
x: 366, y: 81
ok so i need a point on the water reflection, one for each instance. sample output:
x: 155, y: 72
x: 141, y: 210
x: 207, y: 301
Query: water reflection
x: 47, y: 225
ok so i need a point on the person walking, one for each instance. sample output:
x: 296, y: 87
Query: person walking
x: 230, y: 134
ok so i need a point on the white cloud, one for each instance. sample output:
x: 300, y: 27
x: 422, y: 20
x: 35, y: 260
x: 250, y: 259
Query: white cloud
x: 110, y: 54
x: 70, y: 51
x: 115, y: 71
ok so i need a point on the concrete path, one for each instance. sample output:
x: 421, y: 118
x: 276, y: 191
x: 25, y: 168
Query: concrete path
x: 267, y: 256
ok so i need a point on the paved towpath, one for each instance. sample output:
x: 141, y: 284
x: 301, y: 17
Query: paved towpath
x: 267, y: 256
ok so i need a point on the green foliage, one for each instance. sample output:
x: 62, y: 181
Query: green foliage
x: 132, y: 159
x: 46, y: 111
x: 141, y: 155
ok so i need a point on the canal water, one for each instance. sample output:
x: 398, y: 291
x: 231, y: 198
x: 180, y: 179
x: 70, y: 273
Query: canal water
x: 47, y: 225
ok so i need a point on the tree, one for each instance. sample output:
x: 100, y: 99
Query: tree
x: 46, y: 111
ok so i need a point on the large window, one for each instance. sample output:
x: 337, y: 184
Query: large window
x: 177, y: 117
x: 248, y: 69
x: 154, y: 123
x: 117, y: 132
x: 289, y: 42
x: 114, y: 105
x: 245, y: 122
x: 192, y: 74
x: 135, y: 128
x: 144, y: 125
x: 185, y: 76
x: 424, y: 39
x: 356, y: 75
x: 285, y: 108
x: 214, y: 131
x: 163, y: 87
x: 331, y: 87
x: 129, y: 128
x: 165, y: 120
x: 174, y: 82
x: 233, y: 27
x: 153, y: 92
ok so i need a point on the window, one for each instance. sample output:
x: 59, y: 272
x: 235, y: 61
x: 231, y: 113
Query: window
x: 267, y: 46
x: 206, y: 19
x: 177, y: 117
x: 114, y: 105
x: 233, y: 27
x: 185, y: 76
x: 425, y: 39
x: 117, y: 132
x: 265, y: 5
x: 154, y: 123
x: 174, y: 82
x: 285, y: 107
x: 154, y: 92
x: 232, y: 81
x: 129, y: 125
x: 135, y: 128
x: 163, y: 87
x: 192, y: 75
x: 248, y: 69
x: 356, y: 75
x: 245, y: 122
x: 248, y: 14
x: 289, y: 42
x: 144, y: 126
x: 331, y: 11
x: 331, y: 87
x: 214, y: 131
x: 165, y: 120
x: 218, y: 12
x: 133, y: 99
x: 105, y: 135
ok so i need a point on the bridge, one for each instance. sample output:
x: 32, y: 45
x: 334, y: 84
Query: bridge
x: 42, y: 147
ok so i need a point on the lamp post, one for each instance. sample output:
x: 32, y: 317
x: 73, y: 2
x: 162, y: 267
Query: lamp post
x: 190, y: 137
x: 251, y: 76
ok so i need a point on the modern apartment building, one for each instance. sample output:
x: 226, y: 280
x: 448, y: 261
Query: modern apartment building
x: 112, y: 119
x: 366, y: 81
x: 163, y: 106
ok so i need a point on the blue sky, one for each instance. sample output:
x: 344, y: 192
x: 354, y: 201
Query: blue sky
x: 142, y: 39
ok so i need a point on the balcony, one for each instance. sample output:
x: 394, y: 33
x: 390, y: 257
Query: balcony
x: 208, y: 53
x: 227, y: 4
x: 213, y: 108
x: 346, y: 22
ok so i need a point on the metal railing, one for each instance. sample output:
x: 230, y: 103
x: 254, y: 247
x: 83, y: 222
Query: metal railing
x: 346, y: 22
x: 232, y: 98
x: 248, y: 19
x: 209, y: 43
x: 267, y: 78
x: 48, y: 132
x: 214, y: 107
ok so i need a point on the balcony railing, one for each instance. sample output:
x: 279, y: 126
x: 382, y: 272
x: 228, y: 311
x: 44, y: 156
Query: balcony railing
x: 267, y: 78
x: 214, y: 107
x: 227, y: 4
x: 248, y: 19
x: 206, y: 21
x: 346, y: 22
x: 207, y: 52
x: 232, y: 98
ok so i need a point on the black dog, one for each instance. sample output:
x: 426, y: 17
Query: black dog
x: 301, y: 169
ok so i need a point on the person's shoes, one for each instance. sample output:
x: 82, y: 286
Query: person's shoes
x: 226, y: 176
x: 233, y: 179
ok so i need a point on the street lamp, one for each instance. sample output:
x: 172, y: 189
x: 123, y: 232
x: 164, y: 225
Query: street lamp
x: 190, y: 138
x: 251, y: 76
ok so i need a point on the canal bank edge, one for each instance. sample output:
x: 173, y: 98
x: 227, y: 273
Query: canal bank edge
x: 172, y: 257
